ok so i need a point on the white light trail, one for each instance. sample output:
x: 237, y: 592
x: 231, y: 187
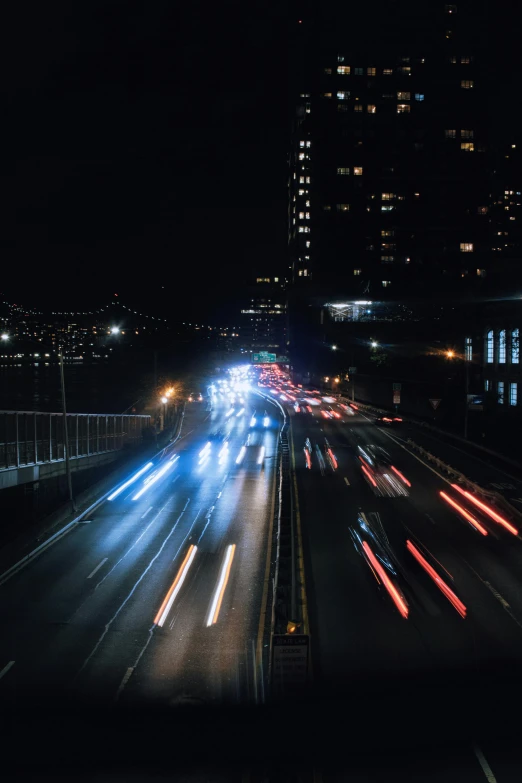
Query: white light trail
x: 132, y: 479
x: 221, y: 586
x: 152, y: 480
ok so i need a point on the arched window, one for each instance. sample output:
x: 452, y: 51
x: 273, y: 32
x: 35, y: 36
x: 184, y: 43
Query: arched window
x: 502, y: 346
x: 490, y: 347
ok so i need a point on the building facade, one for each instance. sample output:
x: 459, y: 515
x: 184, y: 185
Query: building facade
x: 263, y: 317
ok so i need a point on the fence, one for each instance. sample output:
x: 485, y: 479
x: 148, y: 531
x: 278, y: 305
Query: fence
x: 34, y: 438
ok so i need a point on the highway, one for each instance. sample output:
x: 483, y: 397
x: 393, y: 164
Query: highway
x: 159, y: 597
x: 452, y: 633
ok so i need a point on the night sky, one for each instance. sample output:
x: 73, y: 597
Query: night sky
x: 145, y: 151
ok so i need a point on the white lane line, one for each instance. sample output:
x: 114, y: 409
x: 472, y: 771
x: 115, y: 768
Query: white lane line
x: 6, y: 668
x: 85, y: 521
x: 125, y: 680
x: 147, y: 511
x: 134, y: 588
x: 346, y: 481
x: 98, y: 567
x: 486, y: 769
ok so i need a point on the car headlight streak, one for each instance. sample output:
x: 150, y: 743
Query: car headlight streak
x: 147, y: 484
x: 132, y: 479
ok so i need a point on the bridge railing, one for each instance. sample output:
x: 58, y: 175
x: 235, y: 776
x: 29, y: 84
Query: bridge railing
x: 34, y: 438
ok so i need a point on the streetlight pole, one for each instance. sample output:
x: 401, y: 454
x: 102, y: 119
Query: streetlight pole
x: 466, y: 362
x: 66, y: 435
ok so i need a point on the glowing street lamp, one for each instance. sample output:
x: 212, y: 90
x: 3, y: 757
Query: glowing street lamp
x: 450, y: 354
x: 115, y: 329
x: 164, y: 400
x: 4, y: 336
x: 334, y: 347
x: 374, y: 344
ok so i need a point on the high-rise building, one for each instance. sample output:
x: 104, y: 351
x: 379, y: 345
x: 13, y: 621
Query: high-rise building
x: 263, y: 317
x: 390, y: 165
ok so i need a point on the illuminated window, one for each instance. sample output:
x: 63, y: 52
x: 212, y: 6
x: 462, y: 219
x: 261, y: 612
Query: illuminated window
x: 387, y: 233
x: 308, y: 180
x: 301, y: 180
x: 304, y: 229
x: 343, y: 207
x: 302, y: 156
x: 482, y: 210
x: 340, y: 58
x: 301, y: 215
x: 465, y: 60
x: 308, y: 143
x: 500, y: 392
x: 502, y: 346
x: 405, y: 70
x: 513, y: 393
x: 452, y: 59
x: 371, y: 108
x: 515, y: 346
x: 466, y: 247
x: 481, y: 273
x: 357, y: 107
x: 419, y: 96
x: 388, y: 245
x: 490, y: 347
x: 486, y: 385
x: 386, y: 283
x: 327, y: 94
x: 301, y: 192
x: 371, y: 71
x: 403, y: 96
x: 466, y: 84
x: 403, y: 108
x: 301, y: 143
x: 357, y: 272
x: 468, y: 349
x: 387, y: 196
x: 305, y: 272
x: 387, y: 259
x: 343, y: 95
x: 328, y: 71
x: 357, y: 171
x: 327, y: 207
x: 307, y: 216
x: 450, y: 134
x: 387, y: 71
x: 467, y: 146
x: 343, y: 171
x: 358, y: 71
x: 466, y: 134
x: 387, y: 207
x: 344, y: 70
x: 307, y: 203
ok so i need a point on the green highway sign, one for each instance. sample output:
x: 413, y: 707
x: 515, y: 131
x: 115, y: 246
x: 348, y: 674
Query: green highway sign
x: 263, y: 357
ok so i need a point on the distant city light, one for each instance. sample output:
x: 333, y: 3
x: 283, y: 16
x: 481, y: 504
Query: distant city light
x: 164, y: 400
x: 115, y: 329
x: 4, y: 336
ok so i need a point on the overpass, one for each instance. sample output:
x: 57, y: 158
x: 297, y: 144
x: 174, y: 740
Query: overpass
x: 32, y: 443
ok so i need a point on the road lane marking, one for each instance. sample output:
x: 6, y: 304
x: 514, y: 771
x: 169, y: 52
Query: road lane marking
x: 85, y: 521
x: 98, y: 567
x: 147, y: 511
x: 486, y: 769
x: 131, y: 592
x: 123, y: 683
x: 6, y: 668
x: 346, y: 481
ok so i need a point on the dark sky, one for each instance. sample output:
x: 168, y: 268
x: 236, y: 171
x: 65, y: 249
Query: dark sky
x: 146, y: 146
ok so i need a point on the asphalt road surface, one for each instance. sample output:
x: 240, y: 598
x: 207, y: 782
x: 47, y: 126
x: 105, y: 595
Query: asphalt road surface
x: 156, y: 599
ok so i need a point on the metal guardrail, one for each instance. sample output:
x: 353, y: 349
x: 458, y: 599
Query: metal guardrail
x: 35, y: 438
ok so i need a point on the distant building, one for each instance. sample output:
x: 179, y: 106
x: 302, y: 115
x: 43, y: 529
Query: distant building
x: 263, y: 317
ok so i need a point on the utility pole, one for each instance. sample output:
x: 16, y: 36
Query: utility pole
x: 66, y: 435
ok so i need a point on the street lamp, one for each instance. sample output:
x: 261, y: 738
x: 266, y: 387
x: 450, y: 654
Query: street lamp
x: 450, y: 354
x: 334, y: 347
x: 164, y: 400
x: 374, y: 344
x: 115, y: 329
x: 4, y: 336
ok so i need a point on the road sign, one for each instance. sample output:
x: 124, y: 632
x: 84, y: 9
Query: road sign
x: 435, y: 404
x: 352, y: 370
x: 396, y: 398
x: 290, y: 658
x: 263, y: 358
x: 397, y: 387
x: 281, y: 359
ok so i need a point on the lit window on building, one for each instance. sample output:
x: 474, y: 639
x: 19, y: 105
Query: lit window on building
x: 301, y: 143
x: 307, y: 203
x: 357, y: 272
x: 357, y: 107
x: 490, y: 347
x: 502, y: 346
x: 301, y: 215
x: 515, y: 346
x: 340, y: 58
x: 467, y: 146
x: 343, y: 171
x: 486, y: 385
x: 387, y: 71
x: 482, y: 210
x: 464, y: 60
x: 308, y: 180
x: 327, y: 94
x: 308, y: 143
x: 357, y: 171
x: 387, y: 196
x: 468, y: 349
x: 327, y: 207
x: 387, y: 259
x: 307, y: 216
x: 343, y: 95
x: 344, y: 70
x: 387, y: 207
x: 403, y: 96
x: 301, y: 180
x: 388, y: 245
x: 343, y: 207
x: 466, y: 247
x: 405, y: 70
x: 466, y: 134
x: 452, y: 58
x: 513, y: 393
x: 371, y: 71
x: 500, y: 392
x: 304, y: 229
x: 403, y: 108
x: 308, y: 243
x: 419, y: 96
x: 481, y: 273
x: 386, y: 283
x: 450, y: 134
x: 467, y: 84
x: 302, y: 156
x: 301, y: 191
x: 371, y: 108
